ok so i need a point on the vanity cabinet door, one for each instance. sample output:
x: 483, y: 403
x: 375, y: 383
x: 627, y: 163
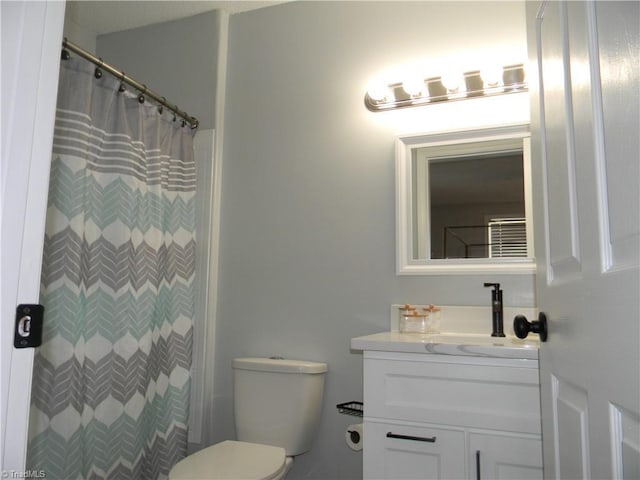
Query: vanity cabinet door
x: 502, y: 457
x: 402, y: 451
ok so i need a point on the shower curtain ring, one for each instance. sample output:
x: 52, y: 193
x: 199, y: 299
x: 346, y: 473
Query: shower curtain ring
x: 65, y: 53
x: 98, y: 72
x: 161, y: 106
x: 141, y: 96
x: 122, y: 88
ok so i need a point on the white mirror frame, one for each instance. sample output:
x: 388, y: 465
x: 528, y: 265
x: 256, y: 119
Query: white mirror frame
x: 405, y: 264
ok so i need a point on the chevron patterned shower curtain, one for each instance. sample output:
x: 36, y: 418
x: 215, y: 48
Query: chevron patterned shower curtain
x: 111, y: 380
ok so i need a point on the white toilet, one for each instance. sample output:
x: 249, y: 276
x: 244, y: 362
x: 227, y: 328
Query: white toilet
x: 277, y: 407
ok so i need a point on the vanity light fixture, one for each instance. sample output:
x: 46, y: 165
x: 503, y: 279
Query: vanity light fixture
x: 471, y: 84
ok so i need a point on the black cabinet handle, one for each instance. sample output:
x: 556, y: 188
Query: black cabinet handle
x: 478, y: 465
x: 411, y: 437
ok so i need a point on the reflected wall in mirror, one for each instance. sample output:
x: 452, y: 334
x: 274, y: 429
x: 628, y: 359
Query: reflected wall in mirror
x: 463, y: 202
x: 474, y: 194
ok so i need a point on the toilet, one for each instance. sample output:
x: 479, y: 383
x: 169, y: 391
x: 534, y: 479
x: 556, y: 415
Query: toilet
x: 277, y: 405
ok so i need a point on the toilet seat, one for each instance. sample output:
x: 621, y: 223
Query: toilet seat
x: 232, y: 460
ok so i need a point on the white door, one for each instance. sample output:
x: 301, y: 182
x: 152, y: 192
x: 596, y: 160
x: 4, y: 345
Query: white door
x: 31, y: 44
x: 585, y: 129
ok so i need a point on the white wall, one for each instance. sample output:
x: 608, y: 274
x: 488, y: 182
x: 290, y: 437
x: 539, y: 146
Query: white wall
x: 307, y: 236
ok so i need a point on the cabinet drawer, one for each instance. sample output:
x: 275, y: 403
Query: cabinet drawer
x: 490, y: 396
x: 400, y: 451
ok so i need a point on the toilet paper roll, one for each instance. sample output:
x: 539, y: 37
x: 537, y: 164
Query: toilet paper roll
x: 353, y: 437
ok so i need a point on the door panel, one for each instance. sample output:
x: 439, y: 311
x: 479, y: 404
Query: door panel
x: 619, y: 65
x: 626, y: 443
x: 572, y: 436
x: 560, y: 177
x: 586, y: 170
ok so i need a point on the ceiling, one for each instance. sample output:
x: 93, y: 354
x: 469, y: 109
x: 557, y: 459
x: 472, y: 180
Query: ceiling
x: 109, y: 16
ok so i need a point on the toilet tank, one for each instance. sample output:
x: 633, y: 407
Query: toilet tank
x: 278, y: 401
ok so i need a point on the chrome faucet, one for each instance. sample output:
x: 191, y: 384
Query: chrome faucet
x: 497, y: 311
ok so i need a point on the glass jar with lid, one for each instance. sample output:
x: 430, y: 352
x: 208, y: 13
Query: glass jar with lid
x: 419, y: 320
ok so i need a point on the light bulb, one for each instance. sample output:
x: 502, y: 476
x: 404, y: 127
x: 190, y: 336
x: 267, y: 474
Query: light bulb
x: 491, y: 75
x: 452, y: 81
x: 378, y: 91
x: 414, y: 86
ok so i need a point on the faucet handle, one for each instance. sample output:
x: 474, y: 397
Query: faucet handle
x: 522, y: 327
x: 495, y: 286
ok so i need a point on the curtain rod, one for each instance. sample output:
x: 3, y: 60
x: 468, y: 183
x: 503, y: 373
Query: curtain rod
x: 144, y: 91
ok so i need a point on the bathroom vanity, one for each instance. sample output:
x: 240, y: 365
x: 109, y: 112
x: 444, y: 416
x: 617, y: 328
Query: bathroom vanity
x: 450, y: 406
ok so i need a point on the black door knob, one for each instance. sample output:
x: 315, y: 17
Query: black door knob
x: 522, y: 327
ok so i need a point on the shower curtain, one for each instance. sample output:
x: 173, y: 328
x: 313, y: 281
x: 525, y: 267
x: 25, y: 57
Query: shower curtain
x: 111, y: 380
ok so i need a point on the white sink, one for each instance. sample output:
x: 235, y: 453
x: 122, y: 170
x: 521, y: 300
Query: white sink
x: 474, y: 339
x: 480, y: 345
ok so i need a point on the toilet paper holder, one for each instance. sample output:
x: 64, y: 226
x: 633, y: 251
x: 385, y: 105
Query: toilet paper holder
x: 354, y: 435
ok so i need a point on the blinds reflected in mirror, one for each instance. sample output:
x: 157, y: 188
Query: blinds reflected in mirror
x: 507, y: 238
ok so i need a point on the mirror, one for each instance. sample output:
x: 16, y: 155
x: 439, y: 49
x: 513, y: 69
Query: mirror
x: 464, y: 202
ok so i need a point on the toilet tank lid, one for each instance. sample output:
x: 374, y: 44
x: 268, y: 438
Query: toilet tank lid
x: 281, y: 365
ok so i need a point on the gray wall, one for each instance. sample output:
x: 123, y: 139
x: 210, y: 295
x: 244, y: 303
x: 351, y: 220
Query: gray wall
x: 175, y: 59
x: 307, y: 236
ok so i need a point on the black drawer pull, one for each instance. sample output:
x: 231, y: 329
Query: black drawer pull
x: 411, y: 437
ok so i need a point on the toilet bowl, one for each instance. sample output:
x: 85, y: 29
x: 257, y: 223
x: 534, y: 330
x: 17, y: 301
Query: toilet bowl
x: 277, y: 405
x: 233, y: 460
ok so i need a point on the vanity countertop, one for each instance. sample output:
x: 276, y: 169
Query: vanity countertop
x: 477, y: 345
